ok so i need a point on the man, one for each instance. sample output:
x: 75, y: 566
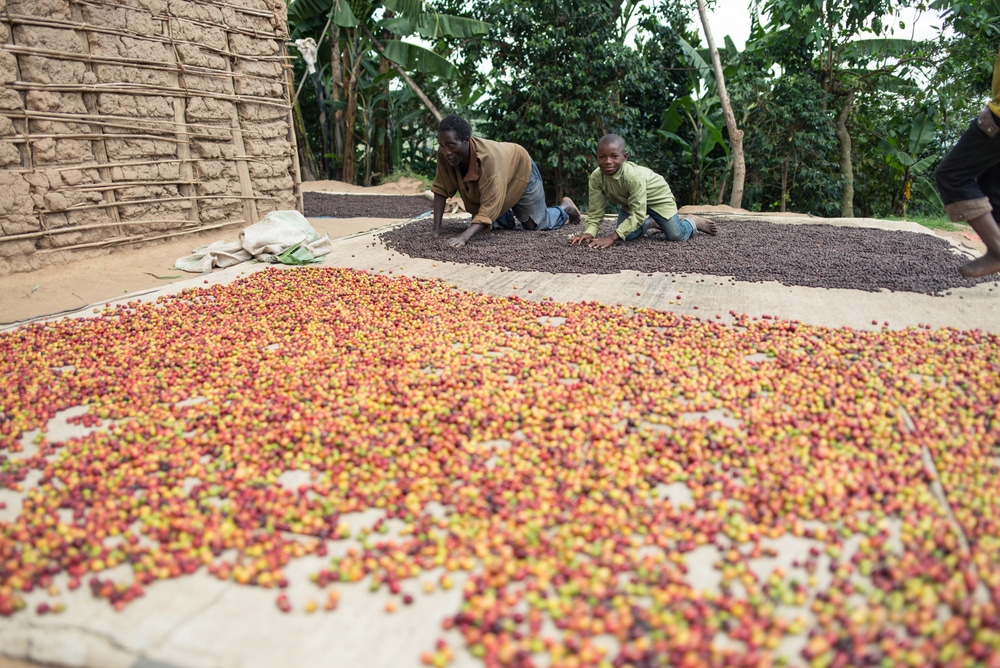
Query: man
x: 969, y: 181
x: 498, y: 183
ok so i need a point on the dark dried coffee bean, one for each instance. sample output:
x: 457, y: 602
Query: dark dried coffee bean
x: 821, y: 256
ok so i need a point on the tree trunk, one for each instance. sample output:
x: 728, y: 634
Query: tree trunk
x: 696, y: 162
x: 307, y: 159
x: 324, y: 121
x: 382, y: 162
x: 696, y: 185
x: 846, y: 166
x: 350, y: 169
x: 784, y: 183
x: 559, y: 179
x: 352, y: 65
x: 722, y: 188
x: 366, y: 121
x: 336, y: 86
x: 735, y: 134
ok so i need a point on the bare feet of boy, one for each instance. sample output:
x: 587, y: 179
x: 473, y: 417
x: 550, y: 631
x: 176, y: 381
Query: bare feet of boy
x: 571, y: 210
x: 705, y: 225
x: 981, y: 266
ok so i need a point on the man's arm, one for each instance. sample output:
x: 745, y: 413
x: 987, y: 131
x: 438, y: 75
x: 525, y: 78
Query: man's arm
x: 444, y: 186
x: 439, y: 202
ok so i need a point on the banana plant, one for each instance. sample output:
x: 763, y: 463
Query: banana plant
x: 351, y: 33
x: 701, y: 112
x: 906, y: 160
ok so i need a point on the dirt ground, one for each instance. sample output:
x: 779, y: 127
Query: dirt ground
x: 75, y: 285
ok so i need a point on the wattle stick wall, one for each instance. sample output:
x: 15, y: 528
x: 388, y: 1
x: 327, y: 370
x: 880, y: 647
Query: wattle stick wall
x: 123, y: 122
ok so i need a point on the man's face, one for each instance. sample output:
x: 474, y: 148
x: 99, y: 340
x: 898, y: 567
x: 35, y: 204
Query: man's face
x: 454, y: 150
x: 610, y: 157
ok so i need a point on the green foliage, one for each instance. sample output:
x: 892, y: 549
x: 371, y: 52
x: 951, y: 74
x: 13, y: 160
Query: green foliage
x: 561, y: 77
x: 556, y: 76
x: 555, y: 72
x: 965, y: 60
x: 843, y: 45
x: 361, y: 115
x: 694, y: 125
x: 905, y: 158
x: 790, y: 145
x: 650, y: 88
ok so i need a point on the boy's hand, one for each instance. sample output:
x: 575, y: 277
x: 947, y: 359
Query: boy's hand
x: 604, y: 242
x: 580, y: 239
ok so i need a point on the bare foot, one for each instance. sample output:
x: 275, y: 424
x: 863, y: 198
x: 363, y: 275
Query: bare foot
x: 981, y: 266
x: 705, y: 225
x: 571, y: 210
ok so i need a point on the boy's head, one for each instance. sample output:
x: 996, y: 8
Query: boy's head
x: 454, y: 134
x: 611, y: 154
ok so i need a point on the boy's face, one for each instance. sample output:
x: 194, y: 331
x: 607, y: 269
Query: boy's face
x: 610, y: 157
x: 454, y: 150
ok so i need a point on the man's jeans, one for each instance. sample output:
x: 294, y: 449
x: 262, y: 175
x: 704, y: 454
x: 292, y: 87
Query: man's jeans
x: 675, y: 228
x: 531, y: 208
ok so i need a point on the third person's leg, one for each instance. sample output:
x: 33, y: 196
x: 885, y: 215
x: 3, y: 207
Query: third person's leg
x: 969, y: 182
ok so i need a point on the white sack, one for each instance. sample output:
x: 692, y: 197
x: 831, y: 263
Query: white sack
x: 264, y: 241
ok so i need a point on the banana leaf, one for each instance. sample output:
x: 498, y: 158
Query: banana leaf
x: 414, y: 58
x: 297, y: 254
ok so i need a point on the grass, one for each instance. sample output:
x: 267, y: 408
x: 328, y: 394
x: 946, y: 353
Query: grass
x: 933, y: 222
x: 406, y: 173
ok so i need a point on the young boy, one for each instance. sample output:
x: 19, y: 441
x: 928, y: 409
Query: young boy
x: 640, y: 192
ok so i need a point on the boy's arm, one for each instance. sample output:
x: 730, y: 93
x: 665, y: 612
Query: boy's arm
x: 595, y: 206
x: 636, y: 188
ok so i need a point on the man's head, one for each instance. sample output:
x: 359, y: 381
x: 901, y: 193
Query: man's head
x: 611, y: 154
x: 454, y: 134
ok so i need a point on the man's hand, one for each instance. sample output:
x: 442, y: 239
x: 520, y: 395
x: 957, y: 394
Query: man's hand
x: 580, y: 239
x: 471, y: 231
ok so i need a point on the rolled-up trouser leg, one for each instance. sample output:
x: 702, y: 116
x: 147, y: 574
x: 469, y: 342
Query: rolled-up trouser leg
x: 531, y: 206
x: 968, y: 210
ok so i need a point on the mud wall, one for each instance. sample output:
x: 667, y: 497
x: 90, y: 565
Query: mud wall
x: 127, y: 121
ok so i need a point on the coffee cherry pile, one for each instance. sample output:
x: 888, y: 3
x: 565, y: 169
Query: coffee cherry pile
x: 616, y: 486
